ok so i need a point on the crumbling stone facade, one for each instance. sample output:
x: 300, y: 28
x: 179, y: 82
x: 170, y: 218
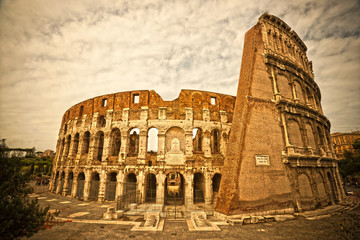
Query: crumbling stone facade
x: 279, y: 156
x: 127, y: 141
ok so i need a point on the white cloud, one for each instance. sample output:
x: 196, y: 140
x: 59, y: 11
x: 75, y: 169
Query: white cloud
x: 54, y: 54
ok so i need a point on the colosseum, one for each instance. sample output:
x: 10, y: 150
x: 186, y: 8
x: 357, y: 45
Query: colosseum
x: 134, y: 147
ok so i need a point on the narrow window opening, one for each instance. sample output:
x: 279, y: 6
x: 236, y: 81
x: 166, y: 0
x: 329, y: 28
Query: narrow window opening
x: 104, y: 102
x: 136, y: 98
x: 213, y: 100
x: 81, y: 111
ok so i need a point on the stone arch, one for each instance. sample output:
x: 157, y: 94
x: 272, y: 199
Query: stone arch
x: 130, y: 183
x: 294, y: 133
x: 197, y: 139
x: 99, y: 145
x: 134, y: 142
x: 115, y: 142
x: 94, y: 186
x: 310, y: 135
x: 215, y: 139
x: 310, y: 98
x: 216, y: 185
x: 174, y: 188
x: 199, y: 187
x: 284, y: 86
x: 86, y: 142
x: 111, y: 186
x: 305, y: 192
x: 76, y: 144
x: 173, y: 133
x: 320, y: 136
x: 70, y: 183
x: 80, y: 185
x: 320, y: 184
x: 101, y: 121
x: 299, y: 91
x: 150, y: 188
x: 152, y: 140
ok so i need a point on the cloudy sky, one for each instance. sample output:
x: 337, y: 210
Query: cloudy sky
x: 54, y: 54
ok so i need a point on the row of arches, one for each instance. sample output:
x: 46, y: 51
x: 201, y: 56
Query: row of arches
x: 303, y: 134
x: 71, y: 145
x: 316, y: 191
x: 174, y: 186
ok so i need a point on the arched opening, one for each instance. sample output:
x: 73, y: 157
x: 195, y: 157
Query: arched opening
x: 320, y: 136
x: 99, y: 145
x: 305, y: 191
x: 197, y: 139
x: 152, y: 140
x: 56, y: 181
x: 62, y: 182
x: 115, y: 142
x: 215, y: 141
x: 310, y: 136
x: 94, y: 186
x: 80, y: 186
x: 111, y: 187
x: 294, y: 133
x: 134, y: 142
x: 150, y: 188
x: 174, y: 188
x: 70, y: 183
x: 101, y: 121
x: 130, y: 183
x: 216, y: 185
x: 332, y: 189
x: 310, y: 98
x: 299, y: 92
x: 199, y: 187
x: 76, y: 144
x: 86, y: 142
x: 68, y: 145
x: 321, y: 188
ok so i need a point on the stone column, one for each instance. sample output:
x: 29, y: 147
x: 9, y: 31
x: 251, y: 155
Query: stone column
x: 124, y: 143
x: 80, y: 147
x: 102, y: 186
x: 160, y: 188
x: 142, y: 146
x: 161, y: 146
x: 141, y: 184
x: 74, y: 185
x: 189, y: 143
x: 105, y: 154
x: 189, y: 189
x: 66, y: 182
x: 90, y: 156
x: 208, y: 188
x: 87, y: 184
x: 206, y: 144
x: 119, y: 185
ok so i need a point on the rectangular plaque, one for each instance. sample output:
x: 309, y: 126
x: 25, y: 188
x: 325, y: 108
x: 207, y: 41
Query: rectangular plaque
x: 262, y: 159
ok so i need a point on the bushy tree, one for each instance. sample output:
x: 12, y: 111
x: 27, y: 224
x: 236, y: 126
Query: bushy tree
x: 350, y: 164
x: 19, y: 215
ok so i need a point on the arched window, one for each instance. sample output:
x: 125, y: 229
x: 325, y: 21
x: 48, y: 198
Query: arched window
x: 101, y: 121
x: 76, y: 144
x: 310, y: 98
x: 215, y: 141
x: 115, y: 142
x: 320, y: 136
x: 152, y: 140
x: 134, y: 141
x: 86, y: 142
x: 197, y: 139
x: 310, y: 136
x: 294, y: 133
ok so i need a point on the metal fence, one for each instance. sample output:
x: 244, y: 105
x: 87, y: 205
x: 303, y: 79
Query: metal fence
x: 70, y: 183
x: 80, y: 189
x: 126, y: 199
x: 94, y: 190
x: 110, y: 191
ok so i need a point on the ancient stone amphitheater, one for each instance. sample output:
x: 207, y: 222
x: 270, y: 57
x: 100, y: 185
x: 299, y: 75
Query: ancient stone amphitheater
x: 136, y: 147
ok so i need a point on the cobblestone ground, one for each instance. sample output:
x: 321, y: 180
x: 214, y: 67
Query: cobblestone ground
x: 300, y: 228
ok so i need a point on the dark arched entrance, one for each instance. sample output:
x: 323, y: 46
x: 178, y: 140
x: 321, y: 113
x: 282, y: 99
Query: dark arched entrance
x: 80, y: 186
x: 111, y: 187
x: 94, y: 186
x: 199, y: 187
x: 174, y: 188
x: 62, y: 182
x: 216, y: 185
x: 70, y: 183
x: 150, y: 188
x: 130, y: 183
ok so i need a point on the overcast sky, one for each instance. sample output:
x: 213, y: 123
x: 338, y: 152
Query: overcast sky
x: 54, y: 54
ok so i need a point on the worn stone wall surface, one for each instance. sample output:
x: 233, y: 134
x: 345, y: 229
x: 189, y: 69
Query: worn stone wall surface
x: 279, y: 154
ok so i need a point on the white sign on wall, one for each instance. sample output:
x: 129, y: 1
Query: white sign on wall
x: 262, y: 159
